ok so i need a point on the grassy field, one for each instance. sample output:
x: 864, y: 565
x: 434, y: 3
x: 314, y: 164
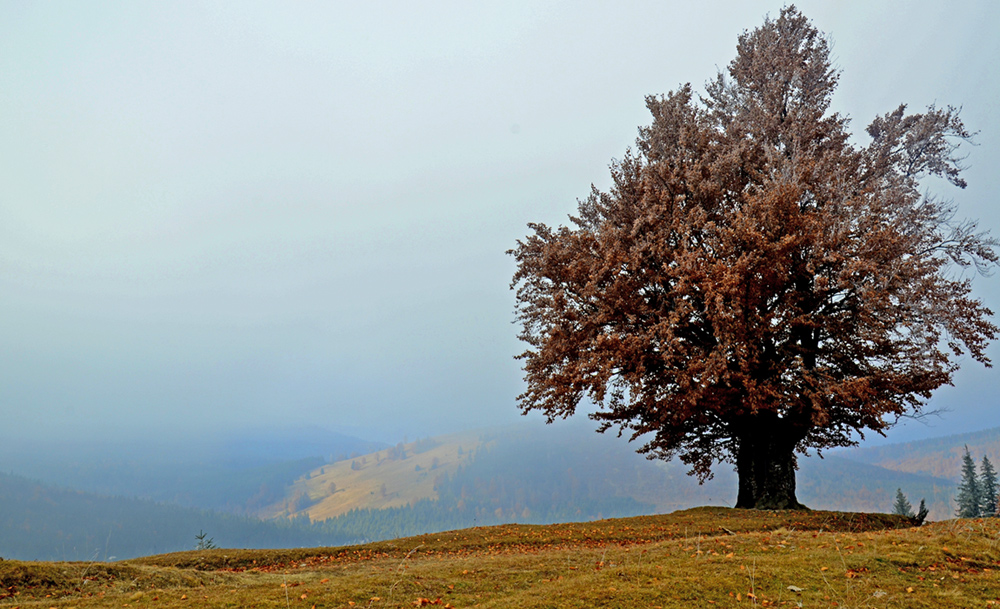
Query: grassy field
x: 705, y: 557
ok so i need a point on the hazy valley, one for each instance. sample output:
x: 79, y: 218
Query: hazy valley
x: 332, y: 489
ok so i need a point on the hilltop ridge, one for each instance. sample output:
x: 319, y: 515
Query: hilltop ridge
x: 713, y: 556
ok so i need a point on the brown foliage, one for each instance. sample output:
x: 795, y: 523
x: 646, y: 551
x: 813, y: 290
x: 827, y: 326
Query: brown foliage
x: 754, y: 284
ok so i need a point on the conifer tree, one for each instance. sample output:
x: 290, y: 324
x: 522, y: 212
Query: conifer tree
x: 987, y: 488
x: 204, y: 541
x: 902, y: 506
x: 968, y: 498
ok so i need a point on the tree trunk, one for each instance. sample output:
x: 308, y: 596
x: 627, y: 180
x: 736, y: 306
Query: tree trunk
x: 765, y: 463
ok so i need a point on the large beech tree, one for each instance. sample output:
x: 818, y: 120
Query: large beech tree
x: 755, y: 285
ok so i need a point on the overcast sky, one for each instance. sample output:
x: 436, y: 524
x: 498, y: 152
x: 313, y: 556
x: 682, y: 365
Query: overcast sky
x: 295, y: 213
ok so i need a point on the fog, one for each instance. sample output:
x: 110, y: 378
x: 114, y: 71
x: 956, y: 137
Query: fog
x: 218, y: 216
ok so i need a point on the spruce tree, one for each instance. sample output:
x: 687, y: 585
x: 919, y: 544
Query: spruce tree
x: 204, y: 542
x: 987, y: 488
x: 968, y: 498
x: 902, y: 507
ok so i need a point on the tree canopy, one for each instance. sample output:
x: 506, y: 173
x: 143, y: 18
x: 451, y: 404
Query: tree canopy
x: 755, y: 284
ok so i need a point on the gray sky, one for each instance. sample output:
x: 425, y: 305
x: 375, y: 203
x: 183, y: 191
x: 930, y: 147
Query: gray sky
x: 276, y: 214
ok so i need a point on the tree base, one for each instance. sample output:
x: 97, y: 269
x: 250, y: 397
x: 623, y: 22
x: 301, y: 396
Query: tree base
x: 765, y: 463
x: 777, y: 505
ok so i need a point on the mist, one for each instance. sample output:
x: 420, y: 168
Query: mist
x: 219, y: 218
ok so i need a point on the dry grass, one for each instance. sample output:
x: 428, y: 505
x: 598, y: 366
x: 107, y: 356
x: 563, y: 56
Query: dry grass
x: 380, y: 481
x: 706, y: 557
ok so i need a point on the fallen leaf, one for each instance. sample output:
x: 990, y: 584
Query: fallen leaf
x: 324, y: 580
x: 909, y: 589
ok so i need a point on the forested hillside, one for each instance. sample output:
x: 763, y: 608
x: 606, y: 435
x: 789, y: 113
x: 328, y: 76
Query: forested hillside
x: 836, y: 483
x: 940, y: 457
x: 39, y: 522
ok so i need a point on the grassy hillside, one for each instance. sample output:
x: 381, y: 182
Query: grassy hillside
x: 539, y: 475
x: 703, y: 557
x: 389, y: 478
x: 939, y: 457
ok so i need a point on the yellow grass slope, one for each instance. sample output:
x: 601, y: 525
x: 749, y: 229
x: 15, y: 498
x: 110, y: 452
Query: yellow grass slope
x: 389, y: 478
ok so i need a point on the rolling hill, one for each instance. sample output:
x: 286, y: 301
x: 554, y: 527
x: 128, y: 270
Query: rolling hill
x: 939, y: 457
x: 705, y: 557
x: 232, y: 471
x: 395, y: 477
x: 523, y: 472
x: 40, y: 522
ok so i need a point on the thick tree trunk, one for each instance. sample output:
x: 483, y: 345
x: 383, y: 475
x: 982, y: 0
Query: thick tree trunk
x: 765, y: 463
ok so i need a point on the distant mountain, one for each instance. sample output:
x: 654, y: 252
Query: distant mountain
x: 525, y: 470
x: 939, y: 457
x: 238, y: 472
x: 39, y: 522
x: 839, y: 484
x: 522, y: 474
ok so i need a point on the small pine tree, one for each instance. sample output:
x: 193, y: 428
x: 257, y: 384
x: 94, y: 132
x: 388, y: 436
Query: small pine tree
x: 902, y: 506
x: 922, y: 512
x: 987, y: 488
x: 204, y: 542
x: 969, y: 498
